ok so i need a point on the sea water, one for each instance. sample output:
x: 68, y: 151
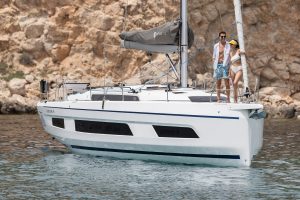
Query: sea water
x: 33, y: 166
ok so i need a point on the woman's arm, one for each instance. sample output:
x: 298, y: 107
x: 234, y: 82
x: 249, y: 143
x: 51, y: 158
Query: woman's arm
x: 241, y: 52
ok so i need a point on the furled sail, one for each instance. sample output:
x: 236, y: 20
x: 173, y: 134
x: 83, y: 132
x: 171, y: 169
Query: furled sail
x: 162, y: 39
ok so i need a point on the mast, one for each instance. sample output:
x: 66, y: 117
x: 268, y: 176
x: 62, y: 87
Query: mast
x: 240, y: 32
x: 184, y: 45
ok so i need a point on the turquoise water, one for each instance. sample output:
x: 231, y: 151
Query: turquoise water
x: 33, y: 166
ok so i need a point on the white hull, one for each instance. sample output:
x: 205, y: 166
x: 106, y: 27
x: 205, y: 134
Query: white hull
x: 227, y: 136
x: 142, y: 122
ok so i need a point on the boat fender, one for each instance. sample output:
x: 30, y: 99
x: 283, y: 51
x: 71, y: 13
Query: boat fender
x: 168, y: 88
x: 258, y: 114
x: 247, y: 93
x: 44, y: 86
x: 134, y: 91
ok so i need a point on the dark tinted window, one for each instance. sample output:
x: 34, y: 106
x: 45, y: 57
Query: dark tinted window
x: 102, y: 127
x: 59, y: 122
x: 205, y: 98
x: 110, y: 97
x: 176, y: 132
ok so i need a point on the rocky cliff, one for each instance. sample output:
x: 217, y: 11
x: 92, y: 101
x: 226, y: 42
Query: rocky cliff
x: 78, y: 40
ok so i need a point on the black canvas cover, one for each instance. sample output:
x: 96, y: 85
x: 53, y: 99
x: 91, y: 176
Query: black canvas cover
x: 166, y: 34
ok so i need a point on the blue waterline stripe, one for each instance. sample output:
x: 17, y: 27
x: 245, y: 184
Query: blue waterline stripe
x: 158, y: 153
x: 149, y: 113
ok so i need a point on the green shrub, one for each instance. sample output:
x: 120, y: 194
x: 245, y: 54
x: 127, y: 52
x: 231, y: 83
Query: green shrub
x: 17, y: 74
x: 3, y: 68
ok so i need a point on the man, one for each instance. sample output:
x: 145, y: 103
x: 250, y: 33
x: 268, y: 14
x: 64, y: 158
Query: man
x: 221, y: 59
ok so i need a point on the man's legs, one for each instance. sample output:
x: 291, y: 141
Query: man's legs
x: 226, y: 80
x: 219, y: 89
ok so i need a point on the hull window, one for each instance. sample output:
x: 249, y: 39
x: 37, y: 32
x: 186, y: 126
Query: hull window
x: 175, y: 132
x: 58, y: 122
x: 110, y: 97
x: 102, y: 127
x: 205, y: 98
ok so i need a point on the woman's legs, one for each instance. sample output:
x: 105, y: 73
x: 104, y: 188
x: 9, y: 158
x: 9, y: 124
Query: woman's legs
x: 227, y: 89
x: 226, y: 80
x: 232, y: 76
x: 236, y: 80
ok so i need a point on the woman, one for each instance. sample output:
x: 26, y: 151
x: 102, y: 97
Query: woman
x: 236, y: 70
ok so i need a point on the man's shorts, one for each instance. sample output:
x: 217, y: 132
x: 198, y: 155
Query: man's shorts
x: 221, y: 72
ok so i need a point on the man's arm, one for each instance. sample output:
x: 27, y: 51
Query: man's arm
x: 214, y: 53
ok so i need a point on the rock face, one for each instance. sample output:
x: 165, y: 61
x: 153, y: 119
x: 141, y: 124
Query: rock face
x: 78, y: 40
x: 17, y: 86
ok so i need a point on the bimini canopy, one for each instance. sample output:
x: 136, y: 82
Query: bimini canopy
x: 162, y: 39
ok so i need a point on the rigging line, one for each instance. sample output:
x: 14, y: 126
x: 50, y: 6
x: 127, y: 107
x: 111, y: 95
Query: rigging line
x: 153, y: 80
x: 162, y: 71
x: 242, y: 3
x: 124, y: 27
x: 110, y: 45
x: 222, y: 26
x: 156, y: 79
x: 125, y: 17
x: 165, y: 13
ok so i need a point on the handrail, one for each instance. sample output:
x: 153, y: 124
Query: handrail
x: 241, y: 95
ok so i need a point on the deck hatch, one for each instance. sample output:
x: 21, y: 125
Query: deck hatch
x: 102, y: 127
x: 58, y: 122
x: 112, y: 97
x: 175, y: 132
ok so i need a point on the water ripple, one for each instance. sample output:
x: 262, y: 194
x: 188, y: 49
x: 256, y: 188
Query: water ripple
x: 33, y: 166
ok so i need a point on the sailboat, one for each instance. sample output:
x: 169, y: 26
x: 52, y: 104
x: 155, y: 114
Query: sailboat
x: 157, y: 122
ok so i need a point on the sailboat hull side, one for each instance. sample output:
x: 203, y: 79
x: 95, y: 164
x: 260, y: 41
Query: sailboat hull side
x: 156, y: 153
x: 225, y: 137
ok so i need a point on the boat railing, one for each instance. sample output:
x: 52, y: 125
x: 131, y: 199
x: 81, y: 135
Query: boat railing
x: 249, y: 97
x: 61, y: 91
x: 73, y: 88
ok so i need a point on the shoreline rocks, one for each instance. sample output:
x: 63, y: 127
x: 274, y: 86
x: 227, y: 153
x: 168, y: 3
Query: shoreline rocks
x: 21, y: 96
x: 17, y: 86
x: 54, y: 39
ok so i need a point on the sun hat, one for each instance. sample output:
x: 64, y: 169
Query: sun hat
x: 233, y: 42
